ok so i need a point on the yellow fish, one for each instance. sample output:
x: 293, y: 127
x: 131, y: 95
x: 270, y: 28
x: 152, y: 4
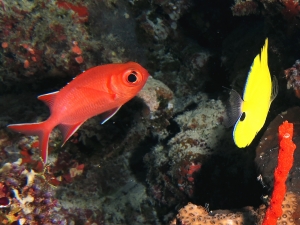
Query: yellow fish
x: 249, y: 114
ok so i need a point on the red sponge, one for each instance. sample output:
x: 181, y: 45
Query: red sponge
x: 285, y: 163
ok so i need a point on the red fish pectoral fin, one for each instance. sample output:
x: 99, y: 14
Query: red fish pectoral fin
x: 109, y: 114
x: 38, y: 129
x: 68, y: 130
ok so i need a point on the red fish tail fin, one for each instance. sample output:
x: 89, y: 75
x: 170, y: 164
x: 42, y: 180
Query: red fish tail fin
x: 39, y: 129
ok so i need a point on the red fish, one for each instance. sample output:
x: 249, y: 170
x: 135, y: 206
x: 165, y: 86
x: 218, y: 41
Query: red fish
x: 99, y: 90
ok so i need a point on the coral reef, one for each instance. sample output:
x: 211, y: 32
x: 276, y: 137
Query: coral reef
x: 293, y: 78
x: 267, y: 150
x: 161, y: 27
x: 244, y: 8
x: 42, y: 40
x: 33, y: 190
x: 277, y: 20
x: 29, y: 196
x: 125, y: 200
x: 106, y: 175
x: 197, y: 215
x: 283, y: 207
x: 158, y: 97
x: 166, y: 147
x: 155, y: 103
x: 288, y: 9
x: 179, y: 159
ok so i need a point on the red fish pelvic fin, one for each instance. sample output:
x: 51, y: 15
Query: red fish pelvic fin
x: 68, y: 130
x: 38, y: 129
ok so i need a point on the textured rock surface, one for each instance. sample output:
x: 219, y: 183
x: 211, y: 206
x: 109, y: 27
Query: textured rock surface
x: 267, y: 151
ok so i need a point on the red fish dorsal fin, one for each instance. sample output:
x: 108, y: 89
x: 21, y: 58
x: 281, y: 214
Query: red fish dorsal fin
x: 48, y: 99
x: 68, y: 130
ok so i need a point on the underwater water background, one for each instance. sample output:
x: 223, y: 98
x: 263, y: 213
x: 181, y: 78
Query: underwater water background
x: 167, y: 146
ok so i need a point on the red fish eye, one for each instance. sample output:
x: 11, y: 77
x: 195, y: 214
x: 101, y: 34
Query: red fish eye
x: 132, y: 77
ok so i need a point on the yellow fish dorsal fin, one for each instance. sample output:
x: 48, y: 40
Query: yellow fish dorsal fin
x: 258, y: 74
x: 257, y: 98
